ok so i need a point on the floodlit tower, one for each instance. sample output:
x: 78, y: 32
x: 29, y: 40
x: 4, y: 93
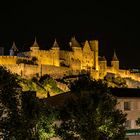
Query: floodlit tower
x: 35, y: 46
x: 55, y: 49
x: 115, y: 62
x: 95, y: 48
x: 13, y: 50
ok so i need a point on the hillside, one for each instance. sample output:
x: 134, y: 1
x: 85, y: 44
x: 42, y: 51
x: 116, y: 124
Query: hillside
x: 44, y: 87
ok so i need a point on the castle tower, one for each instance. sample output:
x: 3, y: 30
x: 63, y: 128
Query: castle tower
x: 55, y: 44
x: 95, y: 46
x: 102, y: 67
x: 74, y: 43
x: 55, y: 53
x: 35, y: 46
x: 13, y: 50
x: 115, y: 62
x: 76, y: 49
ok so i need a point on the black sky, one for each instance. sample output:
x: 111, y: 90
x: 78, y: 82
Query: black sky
x: 115, y: 24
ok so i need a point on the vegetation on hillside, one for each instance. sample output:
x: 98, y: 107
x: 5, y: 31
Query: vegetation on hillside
x: 91, y: 113
x: 113, y: 82
x: 44, y: 85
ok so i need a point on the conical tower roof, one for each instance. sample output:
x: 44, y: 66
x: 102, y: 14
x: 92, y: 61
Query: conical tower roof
x: 14, y: 48
x: 35, y: 43
x: 55, y: 44
x: 115, y: 58
x: 102, y: 58
x: 74, y: 42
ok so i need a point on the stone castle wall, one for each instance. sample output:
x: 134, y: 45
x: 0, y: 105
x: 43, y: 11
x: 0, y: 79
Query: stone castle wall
x: 8, y: 60
x: 124, y: 73
x: 54, y: 71
x: 65, y: 57
x: 25, y: 70
x: 49, y: 57
x: 58, y: 62
x: 4, y: 60
x: 28, y: 71
x: 44, y: 57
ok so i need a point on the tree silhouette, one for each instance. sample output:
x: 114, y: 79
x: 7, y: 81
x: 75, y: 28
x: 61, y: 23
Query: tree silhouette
x: 91, y: 113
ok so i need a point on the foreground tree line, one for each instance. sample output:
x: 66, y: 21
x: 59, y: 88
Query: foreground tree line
x: 90, y: 114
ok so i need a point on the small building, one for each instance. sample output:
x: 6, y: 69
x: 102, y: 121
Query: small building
x: 129, y: 103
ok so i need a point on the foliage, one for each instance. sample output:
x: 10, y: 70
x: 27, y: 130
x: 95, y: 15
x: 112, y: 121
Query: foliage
x: 49, y: 84
x: 91, y: 113
x: 118, y: 82
x: 41, y: 86
x: 20, y: 115
x: 10, y: 118
x: 30, y: 114
x: 46, y: 124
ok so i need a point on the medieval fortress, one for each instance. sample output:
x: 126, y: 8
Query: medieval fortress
x: 80, y: 57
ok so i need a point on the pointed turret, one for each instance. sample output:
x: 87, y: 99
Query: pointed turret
x: 35, y: 45
x: 55, y: 44
x: 115, y: 62
x: 13, y: 50
x: 55, y: 53
x: 115, y: 57
x: 14, y: 47
x: 74, y: 42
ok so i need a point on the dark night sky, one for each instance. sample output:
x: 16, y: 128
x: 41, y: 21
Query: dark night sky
x: 114, y: 24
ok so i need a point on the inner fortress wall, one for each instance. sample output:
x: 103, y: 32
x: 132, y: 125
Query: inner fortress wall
x: 4, y: 60
x: 54, y: 71
x: 58, y: 63
x: 49, y: 57
x: 8, y: 60
x: 25, y: 70
x: 28, y: 71
x: 65, y: 56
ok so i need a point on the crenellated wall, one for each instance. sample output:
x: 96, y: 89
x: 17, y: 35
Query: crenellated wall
x: 25, y: 70
x: 58, y: 62
x: 124, y: 73
x: 8, y: 60
x: 28, y: 71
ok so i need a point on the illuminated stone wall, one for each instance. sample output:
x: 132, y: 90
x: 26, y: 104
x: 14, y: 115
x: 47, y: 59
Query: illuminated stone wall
x: 88, y: 58
x: 25, y: 70
x: 56, y: 62
x: 8, y: 60
x: 65, y: 57
x: 102, y: 68
x: 49, y: 57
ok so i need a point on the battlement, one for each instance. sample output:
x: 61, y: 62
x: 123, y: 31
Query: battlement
x: 5, y: 60
x: 82, y: 56
x: 7, y: 57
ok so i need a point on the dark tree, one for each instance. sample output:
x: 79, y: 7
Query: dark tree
x: 18, y: 110
x: 91, y: 113
x: 10, y: 108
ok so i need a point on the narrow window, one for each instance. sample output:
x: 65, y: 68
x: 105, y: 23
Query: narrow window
x: 127, y: 106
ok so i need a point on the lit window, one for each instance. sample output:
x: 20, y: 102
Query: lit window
x: 127, y: 106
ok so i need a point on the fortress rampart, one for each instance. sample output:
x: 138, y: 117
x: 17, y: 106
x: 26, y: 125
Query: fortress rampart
x: 57, y: 63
